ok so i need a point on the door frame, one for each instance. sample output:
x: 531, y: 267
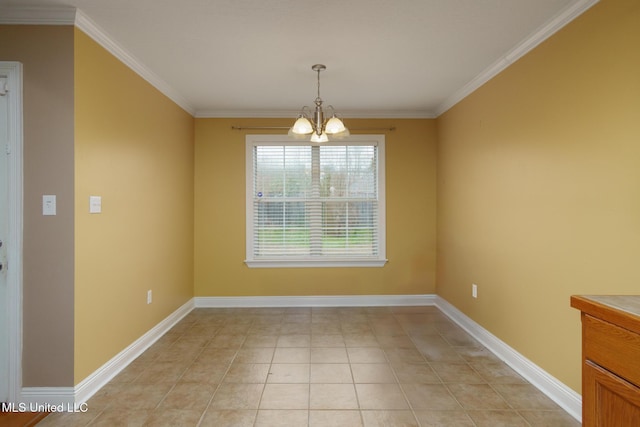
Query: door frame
x: 13, y: 72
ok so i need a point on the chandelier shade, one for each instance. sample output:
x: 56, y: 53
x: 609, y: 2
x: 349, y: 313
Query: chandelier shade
x: 334, y: 125
x: 314, y: 124
x: 319, y: 138
x: 302, y: 126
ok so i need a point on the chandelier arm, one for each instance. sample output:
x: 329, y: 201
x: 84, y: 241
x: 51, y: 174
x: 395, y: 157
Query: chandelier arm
x: 314, y: 121
x: 305, y: 112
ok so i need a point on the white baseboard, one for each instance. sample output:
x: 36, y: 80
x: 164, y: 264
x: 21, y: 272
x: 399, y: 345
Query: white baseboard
x: 47, y: 396
x: 73, y: 398
x: 564, y: 396
x: 90, y: 385
x: 315, y: 301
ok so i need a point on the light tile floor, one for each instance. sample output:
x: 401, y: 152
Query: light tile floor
x: 372, y: 366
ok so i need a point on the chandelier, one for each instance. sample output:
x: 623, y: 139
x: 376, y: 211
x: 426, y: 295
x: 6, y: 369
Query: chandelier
x: 313, y: 122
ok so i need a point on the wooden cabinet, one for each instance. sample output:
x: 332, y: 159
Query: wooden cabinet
x: 610, y: 360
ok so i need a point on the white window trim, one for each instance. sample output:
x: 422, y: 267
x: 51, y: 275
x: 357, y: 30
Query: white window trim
x: 380, y: 261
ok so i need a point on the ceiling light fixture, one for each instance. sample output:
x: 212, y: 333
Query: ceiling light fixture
x: 313, y: 124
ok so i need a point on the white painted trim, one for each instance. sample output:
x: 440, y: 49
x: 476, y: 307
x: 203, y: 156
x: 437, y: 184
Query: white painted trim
x: 48, y: 396
x: 379, y: 260
x: 69, y: 16
x: 73, y: 398
x: 292, y: 114
x: 564, y: 396
x: 571, y: 12
x: 73, y: 16
x: 315, y: 301
x: 13, y: 72
x: 101, y: 37
x: 305, y: 263
x: 90, y: 385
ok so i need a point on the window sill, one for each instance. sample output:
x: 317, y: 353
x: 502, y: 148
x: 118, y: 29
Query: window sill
x: 306, y: 263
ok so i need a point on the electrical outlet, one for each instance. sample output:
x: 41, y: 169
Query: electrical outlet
x: 149, y: 296
x: 474, y: 290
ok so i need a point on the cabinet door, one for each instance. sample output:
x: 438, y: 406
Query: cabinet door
x: 608, y: 400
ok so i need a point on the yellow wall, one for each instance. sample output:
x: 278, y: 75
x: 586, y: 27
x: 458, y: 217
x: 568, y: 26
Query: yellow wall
x: 133, y: 147
x: 539, y: 187
x: 220, y: 217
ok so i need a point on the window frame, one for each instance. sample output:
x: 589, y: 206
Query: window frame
x: 312, y: 261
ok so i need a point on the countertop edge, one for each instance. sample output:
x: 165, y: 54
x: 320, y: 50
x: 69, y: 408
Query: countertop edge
x: 607, y: 312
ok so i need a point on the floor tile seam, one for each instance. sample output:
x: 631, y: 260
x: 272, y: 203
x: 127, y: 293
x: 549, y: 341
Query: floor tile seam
x: 309, y: 388
x: 485, y: 381
x: 503, y: 397
x: 519, y: 411
x: 404, y: 394
x: 220, y: 383
x: 523, y: 419
x: 408, y: 401
x: 415, y: 346
x: 173, y: 386
x: 465, y: 411
x: 463, y: 382
x: 191, y: 364
x: 390, y: 363
x: 355, y: 389
x: 91, y: 421
x: 485, y: 377
x: 135, y: 381
x: 470, y: 418
x: 510, y: 407
x: 457, y: 400
x: 204, y: 412
x: 444, y: 337
x: 309, y: 399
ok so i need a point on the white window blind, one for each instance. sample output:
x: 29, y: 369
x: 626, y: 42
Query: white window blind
x: 315, y: 204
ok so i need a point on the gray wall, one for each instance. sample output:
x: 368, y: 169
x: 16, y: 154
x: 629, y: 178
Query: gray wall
x: 47, y: 55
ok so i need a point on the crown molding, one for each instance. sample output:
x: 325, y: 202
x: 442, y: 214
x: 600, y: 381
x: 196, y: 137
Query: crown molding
x: 387, y: 114
x: 84, y: 23
x: 74, y: 16
x: 234, y: 114
x: 354, y: 114
x: 570, y: 13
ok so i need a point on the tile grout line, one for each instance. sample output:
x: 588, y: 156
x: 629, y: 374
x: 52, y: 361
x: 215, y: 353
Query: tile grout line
x: 353, y: 378
x: 215, y: 392
x: 413, y: 412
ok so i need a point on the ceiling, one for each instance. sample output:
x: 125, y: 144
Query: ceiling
x: 253, y: 58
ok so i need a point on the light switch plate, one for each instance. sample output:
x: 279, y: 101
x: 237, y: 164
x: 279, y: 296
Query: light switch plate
x: 95, y: 204
x: 49, y: 204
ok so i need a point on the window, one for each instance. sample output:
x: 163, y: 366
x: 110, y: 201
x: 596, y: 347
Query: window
x: 315, y: 205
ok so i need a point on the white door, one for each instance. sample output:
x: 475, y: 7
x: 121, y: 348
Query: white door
x: 10, y: 230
